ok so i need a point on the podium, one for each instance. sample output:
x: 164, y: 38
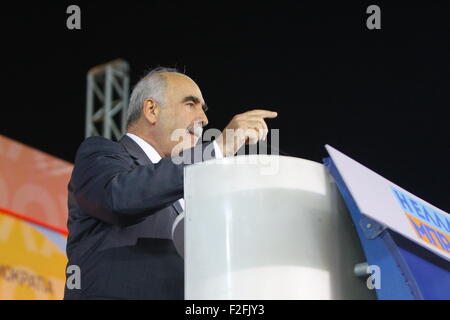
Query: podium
x: 267, y: 227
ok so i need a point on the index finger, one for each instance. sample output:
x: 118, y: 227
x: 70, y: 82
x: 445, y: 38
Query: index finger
x: 262, y: 113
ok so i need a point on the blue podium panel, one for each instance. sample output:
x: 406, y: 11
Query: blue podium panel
x: 408, y: 270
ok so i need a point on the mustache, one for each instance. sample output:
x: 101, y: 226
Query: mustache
x: 196, y: 129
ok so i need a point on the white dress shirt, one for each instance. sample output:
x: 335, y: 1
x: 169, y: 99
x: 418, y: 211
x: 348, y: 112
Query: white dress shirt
x: 154, y: 156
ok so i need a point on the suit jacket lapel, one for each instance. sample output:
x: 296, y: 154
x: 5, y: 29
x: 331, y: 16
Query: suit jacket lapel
x: 135, y: 151
x: 141, y: 158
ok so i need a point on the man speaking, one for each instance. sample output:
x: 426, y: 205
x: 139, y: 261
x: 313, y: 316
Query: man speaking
x: 124, y: 196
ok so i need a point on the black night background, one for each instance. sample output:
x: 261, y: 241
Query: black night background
x: 380, y: 96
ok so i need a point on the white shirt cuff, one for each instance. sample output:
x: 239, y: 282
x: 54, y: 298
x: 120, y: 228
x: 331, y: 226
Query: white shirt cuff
x: 218, y: 153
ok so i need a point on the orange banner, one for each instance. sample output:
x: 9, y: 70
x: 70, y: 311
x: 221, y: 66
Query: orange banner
x: 33, y: 183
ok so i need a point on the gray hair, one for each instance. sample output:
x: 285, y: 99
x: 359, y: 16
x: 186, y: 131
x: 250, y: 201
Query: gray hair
x: 153, y: 85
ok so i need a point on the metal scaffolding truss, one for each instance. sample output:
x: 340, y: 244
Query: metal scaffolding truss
x: 107, y: 99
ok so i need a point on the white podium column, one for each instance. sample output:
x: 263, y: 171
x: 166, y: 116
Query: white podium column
x: 250, y: 234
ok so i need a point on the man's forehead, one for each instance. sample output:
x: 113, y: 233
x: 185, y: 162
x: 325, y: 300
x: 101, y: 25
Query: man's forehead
x: 181, y: 86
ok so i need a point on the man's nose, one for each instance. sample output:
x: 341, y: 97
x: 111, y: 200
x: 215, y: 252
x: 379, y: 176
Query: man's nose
x: 203, y: 118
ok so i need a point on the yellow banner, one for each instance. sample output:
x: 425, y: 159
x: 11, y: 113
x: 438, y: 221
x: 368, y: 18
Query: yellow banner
x: 32, y: 260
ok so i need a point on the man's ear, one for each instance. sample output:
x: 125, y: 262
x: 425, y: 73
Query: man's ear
x: 150, y: 110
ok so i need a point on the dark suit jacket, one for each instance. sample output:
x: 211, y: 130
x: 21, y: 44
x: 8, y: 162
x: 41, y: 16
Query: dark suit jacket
x: 121, y: 211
